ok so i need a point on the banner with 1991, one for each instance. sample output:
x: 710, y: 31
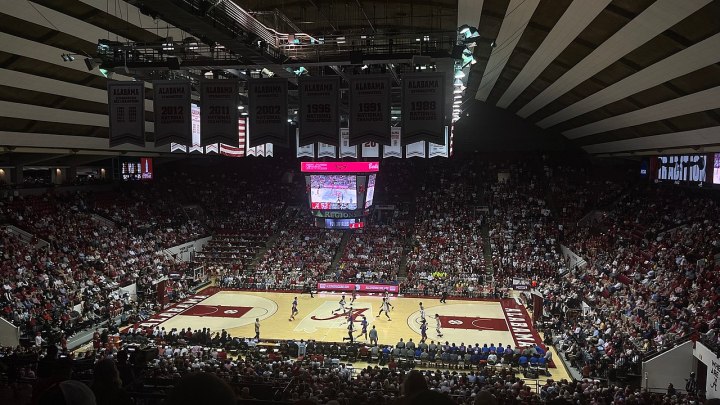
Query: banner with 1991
x: 370, y: 102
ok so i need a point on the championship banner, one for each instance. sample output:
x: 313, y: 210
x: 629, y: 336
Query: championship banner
x: 423, y: 107
x: 370, y: 149
x: 435, y: 150
x: 416, y: 149
x: 219, y: 112
x: 394, y: 149
x: 370, y: 102
x: 345, y: 149
x: 268, y: 111
x: 305, y: 150
x: 319, y: 117
x: 126, y: 101
x: 325, y: 150
x: 173, y: 118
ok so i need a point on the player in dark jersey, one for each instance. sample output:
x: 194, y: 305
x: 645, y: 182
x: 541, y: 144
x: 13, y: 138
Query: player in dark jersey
x: 364, y: 331
x: 423, y: 330
x: 294, y: 310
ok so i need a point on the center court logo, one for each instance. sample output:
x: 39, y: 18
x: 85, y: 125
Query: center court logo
x: 323, y: 317
x: 356, y: 313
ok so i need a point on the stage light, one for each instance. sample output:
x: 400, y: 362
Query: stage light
x: 457, y: 96
x: 457, y: 102
x: 459, y: 74
x: 458, y: 82
x: 464, y: 28
x: 457, y: 90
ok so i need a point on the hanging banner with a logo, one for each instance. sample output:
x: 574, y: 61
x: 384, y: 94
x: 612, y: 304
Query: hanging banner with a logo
x: 345, y: 149
x: 325, y: 150
x: 173, y: 118
x: 395, y: 148
x: 219, y: 111
x: 416, y: 149
x: 126, y: 101
x: 319, y: 117
x: 268, y: 111
x: 370, y: 102
x: 305, y: 150
x: 370, y: 150
x: 435, y: 150
x: 423, y: 107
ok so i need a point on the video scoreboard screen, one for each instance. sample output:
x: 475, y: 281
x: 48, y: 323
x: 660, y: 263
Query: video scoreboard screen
x: 340, y: 194
x: 333, y: 192
x: 681, y: 169
x: 136, y: 169
x: 333, y: 223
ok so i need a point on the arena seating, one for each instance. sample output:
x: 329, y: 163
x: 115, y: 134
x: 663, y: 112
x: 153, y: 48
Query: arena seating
x: 650, y: 280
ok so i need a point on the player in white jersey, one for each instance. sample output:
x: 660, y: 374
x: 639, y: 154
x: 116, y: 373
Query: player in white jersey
x: 385, y: 307
x: 342, y: 305
x: 422, y: 313
x: 294, y: 310
x: 438, y: 325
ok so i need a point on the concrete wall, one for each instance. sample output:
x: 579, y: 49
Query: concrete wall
x: 710, y: 359
x: 9, y: 334
x: 573, y: 259
x: 673, y: 366
x: 184, y: 252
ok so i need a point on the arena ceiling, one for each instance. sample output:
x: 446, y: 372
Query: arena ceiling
x: 613, y: 76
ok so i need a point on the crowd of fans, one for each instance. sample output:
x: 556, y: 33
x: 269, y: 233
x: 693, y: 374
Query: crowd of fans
x: 447, y: 245
x: 648, y: 279
x: 300, y: 253
x: 154, y: 364
x: 69, y: 276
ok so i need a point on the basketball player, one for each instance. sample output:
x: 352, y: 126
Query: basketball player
x: 443, y: 296
x: 349, y: 315
x: 438, y: 326
x: 423, y: 330
x: 386, y: 297
x: 257, y: 328
x: 350, y: 329
x: 342, y: 305
x: 354, y: 297
x: 364, y: 325
x: 294, y: 310
x: 385, y: 307
x: 422, y: 313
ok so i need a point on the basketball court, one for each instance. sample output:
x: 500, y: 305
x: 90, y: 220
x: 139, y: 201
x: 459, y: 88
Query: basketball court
x: 503, y: 322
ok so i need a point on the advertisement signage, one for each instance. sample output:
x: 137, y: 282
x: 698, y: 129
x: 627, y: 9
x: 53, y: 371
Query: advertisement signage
x: 339, y: 167
x: 377, y: 288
